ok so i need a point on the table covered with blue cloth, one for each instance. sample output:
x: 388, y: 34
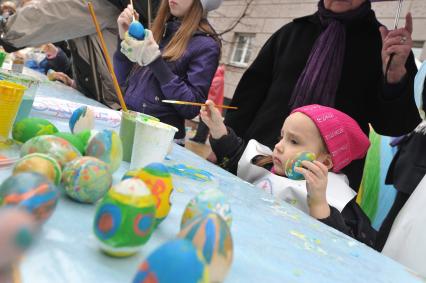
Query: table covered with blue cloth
x: 273, y: 242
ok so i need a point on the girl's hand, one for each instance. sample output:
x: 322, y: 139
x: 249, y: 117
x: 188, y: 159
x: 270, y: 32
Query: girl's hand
x: 125, y: 19
x: 316, y: 176
x: 213, y: 119
x: 399, y: 43
x: 142, y: 52
x: 62, y: 77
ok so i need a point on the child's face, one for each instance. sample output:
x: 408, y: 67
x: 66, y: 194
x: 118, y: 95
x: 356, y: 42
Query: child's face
x: 298, y: 134
x: 179, y: 8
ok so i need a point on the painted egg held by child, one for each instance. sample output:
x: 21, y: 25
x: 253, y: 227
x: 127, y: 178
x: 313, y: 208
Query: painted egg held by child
x: 106, y: 145
x: 297, y: 162
x: 176, y: 261
x: 74, y: 140
x: 158, y: 179
x: 125, y: 218
x: 28, y: 128
x: 58, y: 148
x: 86, y: 179
x: 136, y: 30
x: 40, y: 163
x: 82, y: 119
x: 210, y: 234
x: 210, y: 200
x: 31, y: 191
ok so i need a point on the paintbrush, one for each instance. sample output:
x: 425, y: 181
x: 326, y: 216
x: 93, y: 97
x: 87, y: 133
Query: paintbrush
x: 197, y: 104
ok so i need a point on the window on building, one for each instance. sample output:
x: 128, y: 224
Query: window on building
x: 418, y: 48
x: 243, y: 48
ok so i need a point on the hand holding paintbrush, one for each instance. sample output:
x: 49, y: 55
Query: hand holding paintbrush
x: 212, y: 117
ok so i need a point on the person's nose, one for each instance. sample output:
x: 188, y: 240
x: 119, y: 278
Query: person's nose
x: 280, y: 146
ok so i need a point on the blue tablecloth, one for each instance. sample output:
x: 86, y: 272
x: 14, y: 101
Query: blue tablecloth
x: 273, y: 242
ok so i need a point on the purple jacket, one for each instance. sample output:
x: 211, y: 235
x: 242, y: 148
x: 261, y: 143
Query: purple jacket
x: 186, y: 79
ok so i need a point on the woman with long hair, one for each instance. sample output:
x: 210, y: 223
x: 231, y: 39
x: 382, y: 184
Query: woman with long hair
x: 176, y: 61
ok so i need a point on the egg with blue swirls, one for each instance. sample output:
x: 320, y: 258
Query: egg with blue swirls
x: 106, y: 145
x: 82, y: 119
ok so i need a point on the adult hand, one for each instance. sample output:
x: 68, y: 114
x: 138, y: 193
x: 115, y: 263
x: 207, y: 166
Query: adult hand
x: 142, y: 52
x: 316, y: 176
x: 64, y: 78
x: 399, y: 43
x: 213, y: 119
x: 125, y: 19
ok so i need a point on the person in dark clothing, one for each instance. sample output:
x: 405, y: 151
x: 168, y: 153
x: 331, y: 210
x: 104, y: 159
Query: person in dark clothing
x: 55, y: 60
x: 335, y: 57
x: 145, y: 9
x: 334, y: 138
x: 405, y: 172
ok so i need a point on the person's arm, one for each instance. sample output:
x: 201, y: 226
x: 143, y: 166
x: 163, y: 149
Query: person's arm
x: 353, y: 222
x: 56, y: 20
x: 195, y: 86
x: 253, y: 87
x: 122, y: 65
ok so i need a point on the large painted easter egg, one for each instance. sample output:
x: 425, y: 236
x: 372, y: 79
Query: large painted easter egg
x: 31, y: 191
x: 18, y: 228
x: 176, y: 261
x: 211, y: 235
x: 55, y: 147
x: 210, y: 200
x: 125, y: 218
x: 39, y: 163
x: 82, y: 119
x: 74, y: 140
x: 86, y: 179
x: 31, y: 127
x: 297, y: 162
x: 136, y: 30
x: 156, y: 176
x: 106, y: 145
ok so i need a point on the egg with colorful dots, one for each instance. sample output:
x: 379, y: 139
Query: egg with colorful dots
x: 210, y: 234
x: 158, y: 179
x: 86, y: 179
x: 58, y: 148
x: 125, y: 218
x: 83, y: 118
x: 40, y: 163
x: 210, y: 200
x: 31, y: 191
x: 28, y: 128
x: 106, y: 145
x: 176, y: 261
x: 297, y: 162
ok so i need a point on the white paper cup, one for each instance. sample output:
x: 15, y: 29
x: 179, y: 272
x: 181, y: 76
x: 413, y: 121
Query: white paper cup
x: 151, y: 142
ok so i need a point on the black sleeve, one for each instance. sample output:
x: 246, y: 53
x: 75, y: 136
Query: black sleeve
x: 60, y: 63
x: 353, y: 222
x: 392, y: 107
x: 228, y: 150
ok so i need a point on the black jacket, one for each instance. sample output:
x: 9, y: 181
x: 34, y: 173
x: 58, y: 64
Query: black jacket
x: 352, y: 220
x: 262, y: 96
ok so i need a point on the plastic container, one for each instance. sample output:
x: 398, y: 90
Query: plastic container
x: 10, y: 99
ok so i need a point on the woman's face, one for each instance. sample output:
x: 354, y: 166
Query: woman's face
x: 341, y: 6
x: 298, y: 134
x: 179, y: 8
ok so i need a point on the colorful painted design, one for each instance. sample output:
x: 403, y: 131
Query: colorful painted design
x: 210, y: 200
x: 125, y: 218
x: 31, y: 191
x: 176, y: 261
x: 82, y: 119
x: 210, y: 234
x: 31, y: 127
x: 86, y: 179
x: 297, y: 162
x: 39, y: 163
x: 190, y: 172
x: 158, y: 179
x: 73, y: 139
x: 106, y: 145
x: 59, y: 149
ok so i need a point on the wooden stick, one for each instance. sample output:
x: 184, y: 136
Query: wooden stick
x: 107, y: 58
x: 16, y: 274
x: 133, y: 10
x: 197, y: 104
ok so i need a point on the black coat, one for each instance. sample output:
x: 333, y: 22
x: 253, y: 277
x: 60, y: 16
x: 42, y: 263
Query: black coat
x: 263, y: 94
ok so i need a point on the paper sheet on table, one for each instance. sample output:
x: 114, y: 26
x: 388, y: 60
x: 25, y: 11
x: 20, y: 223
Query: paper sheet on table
x: 63, y: 109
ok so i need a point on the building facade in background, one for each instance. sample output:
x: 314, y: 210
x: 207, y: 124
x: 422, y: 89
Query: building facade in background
x: 245, y: 26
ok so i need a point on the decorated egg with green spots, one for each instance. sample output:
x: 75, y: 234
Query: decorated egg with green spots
x: 28, y: 128
x: 86, y: 179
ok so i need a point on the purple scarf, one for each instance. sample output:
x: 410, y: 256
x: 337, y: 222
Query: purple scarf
x: 321, y: 76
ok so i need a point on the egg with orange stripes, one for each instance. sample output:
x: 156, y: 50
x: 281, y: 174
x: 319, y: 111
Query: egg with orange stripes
x: 211, y: 235
x: 31, y: 191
